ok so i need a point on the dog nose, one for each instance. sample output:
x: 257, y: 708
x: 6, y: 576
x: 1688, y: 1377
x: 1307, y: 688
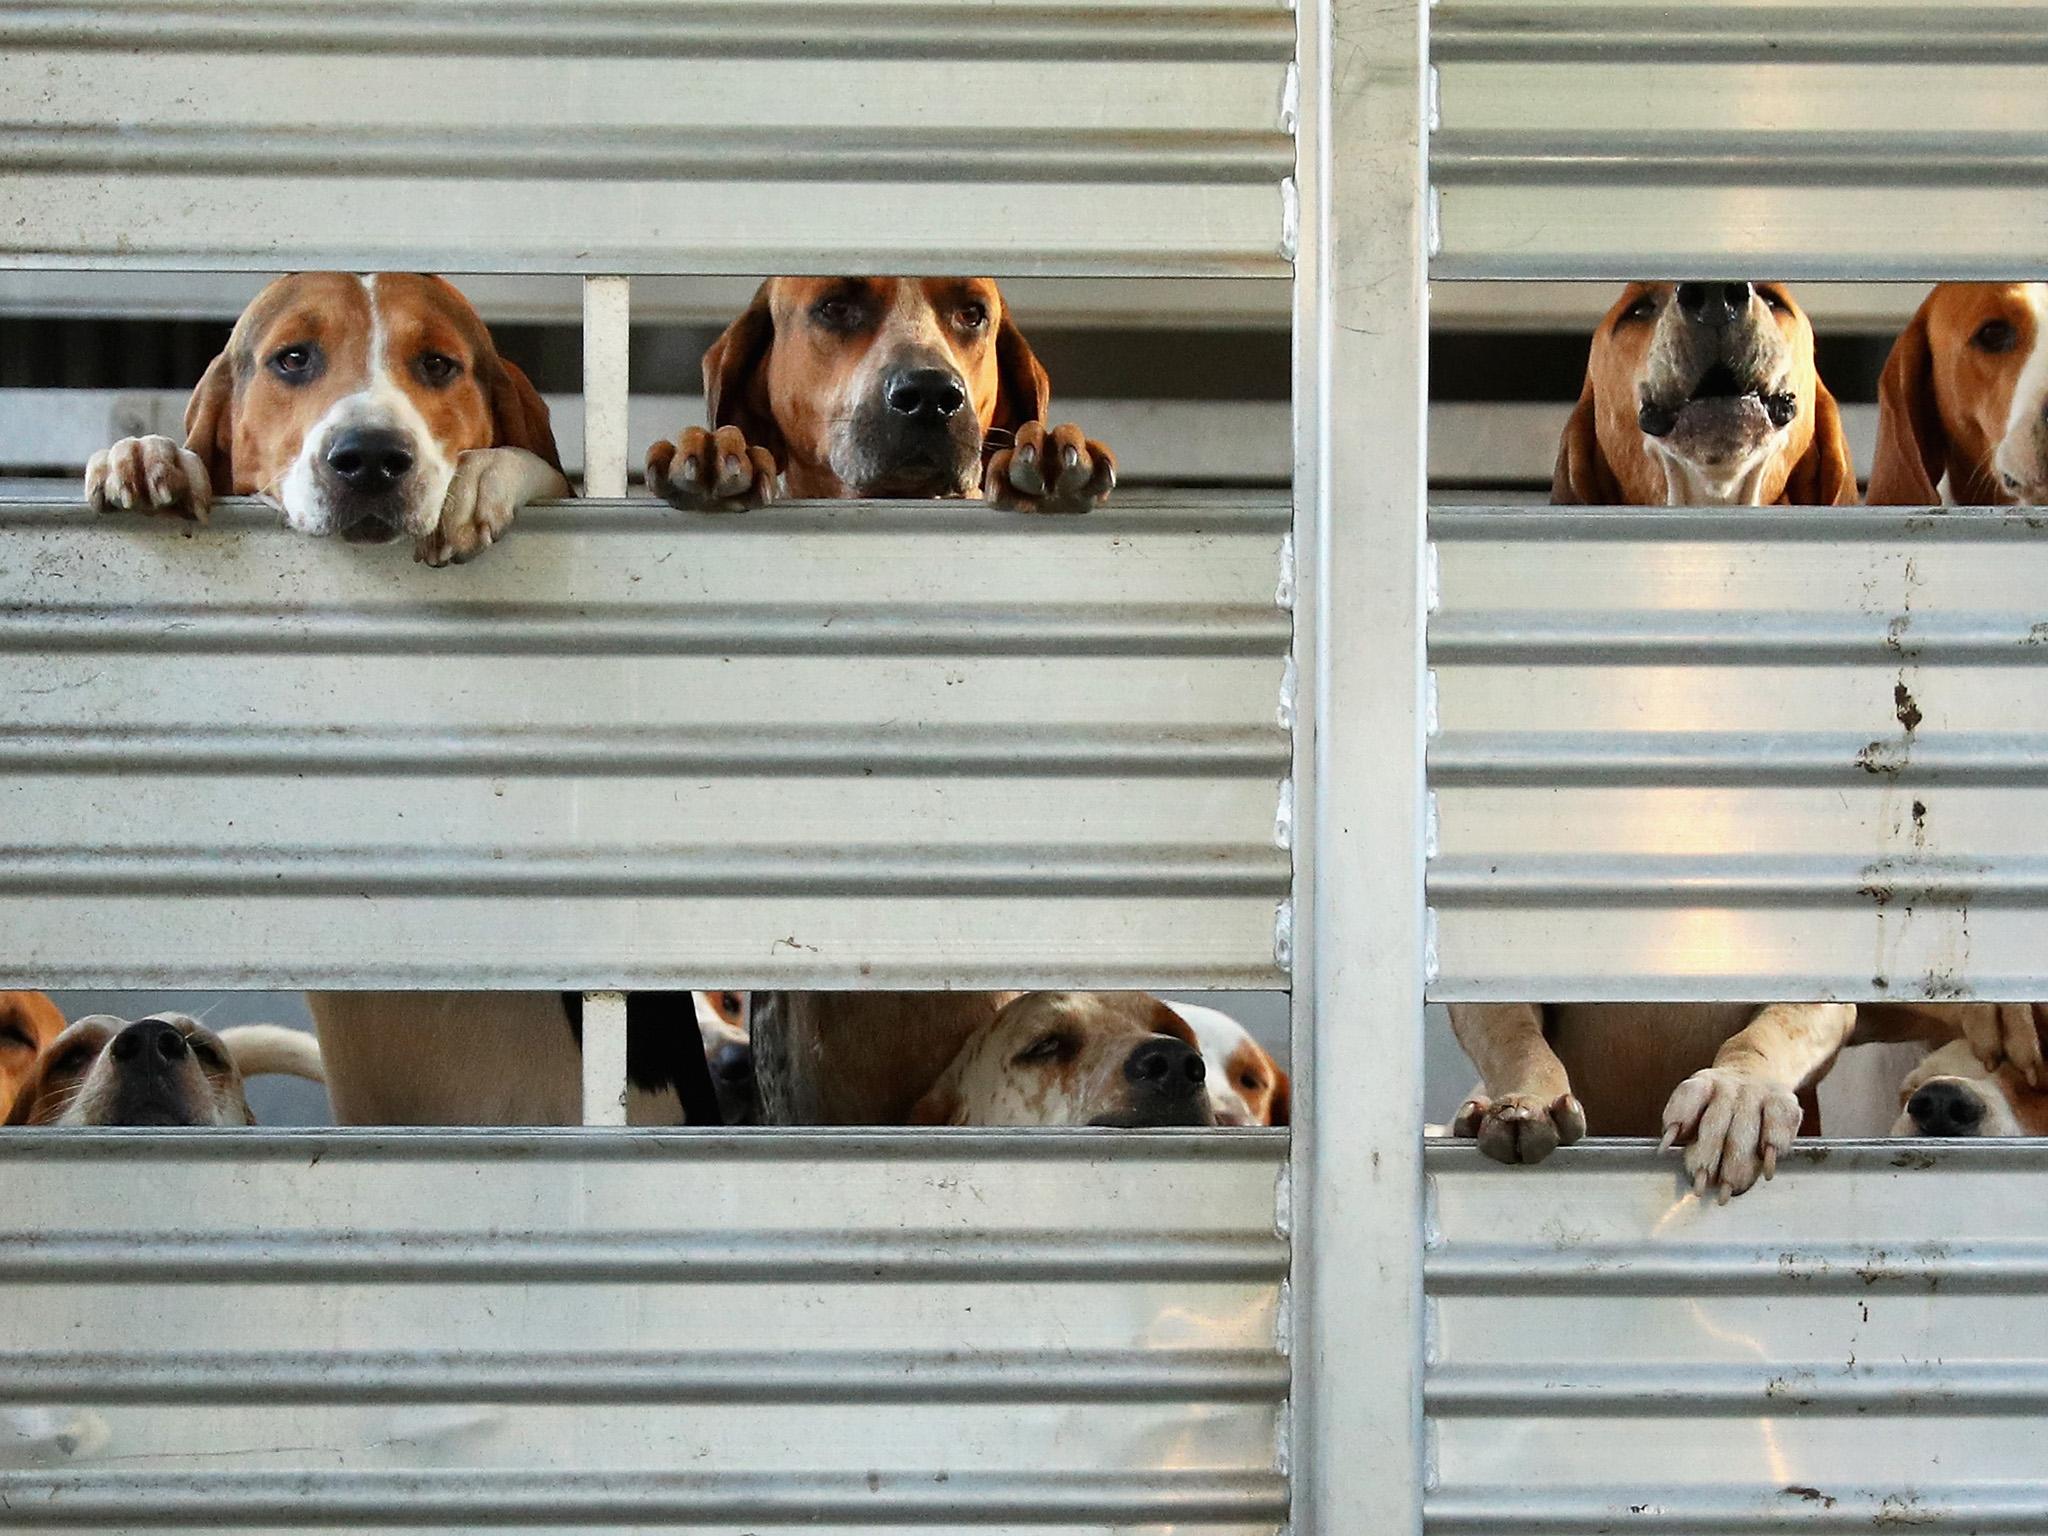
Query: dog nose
x: 370, y: 459
x: 146, y: 1039
x: 1946, y: 1109
x: 924, y: 394
x: 1164, y: 1065
x: 733, y: 1063
x: 1718, y: 305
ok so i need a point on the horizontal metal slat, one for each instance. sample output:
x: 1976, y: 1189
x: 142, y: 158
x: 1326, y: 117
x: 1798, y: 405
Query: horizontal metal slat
x: 673, y: 1376
x: 714, y: 138
x: 892, y: 744
x: 1855, y: 1345
x: 468, y: 1501
x: 1736, y: 756
x: 1593, y: 140
x: 577, y: 1331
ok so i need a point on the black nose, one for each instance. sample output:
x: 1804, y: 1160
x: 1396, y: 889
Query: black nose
x: 148, y: 1039
x: 924, y: 394
x: 1946, y: 1109
x: 733, y: 1063
x: 1718, y: 305
x: 370, y: 459
x: 1164, y: 1065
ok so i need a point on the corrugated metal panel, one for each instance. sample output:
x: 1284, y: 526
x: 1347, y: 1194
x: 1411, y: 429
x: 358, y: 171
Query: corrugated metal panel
x: 648, y: 135
x: 1066, y: 1333
x: 1740, y: 755
x: 828, y: 745
x: 1739, y: 137
x: 1858, y: 1346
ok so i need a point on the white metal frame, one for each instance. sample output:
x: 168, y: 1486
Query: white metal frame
x: 1361, y: 329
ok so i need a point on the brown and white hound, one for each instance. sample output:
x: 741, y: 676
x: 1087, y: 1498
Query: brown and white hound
x: 165, y: 1070
x: 1963, y: 400
x: 1704, y: 394
x: 1121, y: 1059
x: 1695, y: 394
x: 878, y: 386
x: 373, y: 408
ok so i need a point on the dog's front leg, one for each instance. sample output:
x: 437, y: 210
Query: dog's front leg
x: 1741, y: 1113
x: 489, y: 488
x: 1523, y: 1109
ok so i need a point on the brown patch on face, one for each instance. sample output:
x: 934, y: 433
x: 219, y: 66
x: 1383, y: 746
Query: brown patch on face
x: 165, y: 1070
x: 1701, y: 391
x: 29, y: 1021
x: 1945, y: 397
x: 810, y: 370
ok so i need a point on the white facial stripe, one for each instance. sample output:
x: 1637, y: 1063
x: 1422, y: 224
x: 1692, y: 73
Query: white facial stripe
x: 2021, y: 457
x: 2030, y: 394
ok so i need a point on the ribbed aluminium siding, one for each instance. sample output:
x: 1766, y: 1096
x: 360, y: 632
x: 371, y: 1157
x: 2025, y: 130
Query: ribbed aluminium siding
x: 677, y: 136
x: 1748, y: 755
x: 1857, y: 1346
x: 1746, y: 138
x: 604, y: 1333
x: 918, y: 745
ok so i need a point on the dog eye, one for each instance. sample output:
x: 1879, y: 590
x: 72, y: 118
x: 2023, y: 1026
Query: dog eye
x: 971, y: 317
x: 1247, y: 1080
x: 836, y: 314
x: 296, y: 364
x: 1995, y: 336
x: 437, y: 369
x: 1777, y: 300
x: 1644, y: 308
x: 1045, y: 1048
x: 14, y: 1038
x: 730, y: 1002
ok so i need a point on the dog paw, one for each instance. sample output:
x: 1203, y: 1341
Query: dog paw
x: 711, y: 471
x: 2008, y: 1032
x: 489, y: 487
x: 149, y: 474
x: 1051, y: 469
x: 1737, y: 1127
x: 1520, y: 1127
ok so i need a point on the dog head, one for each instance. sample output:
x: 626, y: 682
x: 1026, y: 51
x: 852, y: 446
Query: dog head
x: 347, y: 401
x: 1704, y: 394
x: 1951, y: 1093
x: 875, y: 386
x: 167, y: 1069
x: 1246, y: 1086
x: 1964, y: 395
x: 722, y: 1020
x: 29, y: 1021
x: 1074, y: 1058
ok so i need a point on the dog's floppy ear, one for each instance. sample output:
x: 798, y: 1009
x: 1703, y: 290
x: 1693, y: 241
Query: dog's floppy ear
x: 941, y: 1104
x: 1825, y: 475
x: 519, y: 417
x: 1582, y: 477
x: 210, y: 424
x: 1912, y: 448
x: 1281, y: 1110
x: 736, y: 377
x: 1165, y: 1021
x: 1023, y: 392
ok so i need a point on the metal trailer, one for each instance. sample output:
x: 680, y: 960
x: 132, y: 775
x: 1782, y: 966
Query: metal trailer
x: 1188, y: 741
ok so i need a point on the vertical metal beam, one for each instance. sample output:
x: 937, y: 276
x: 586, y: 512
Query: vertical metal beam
x: 607, y: 321
x: 604, y: 1058
x: 1356, y: 1447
